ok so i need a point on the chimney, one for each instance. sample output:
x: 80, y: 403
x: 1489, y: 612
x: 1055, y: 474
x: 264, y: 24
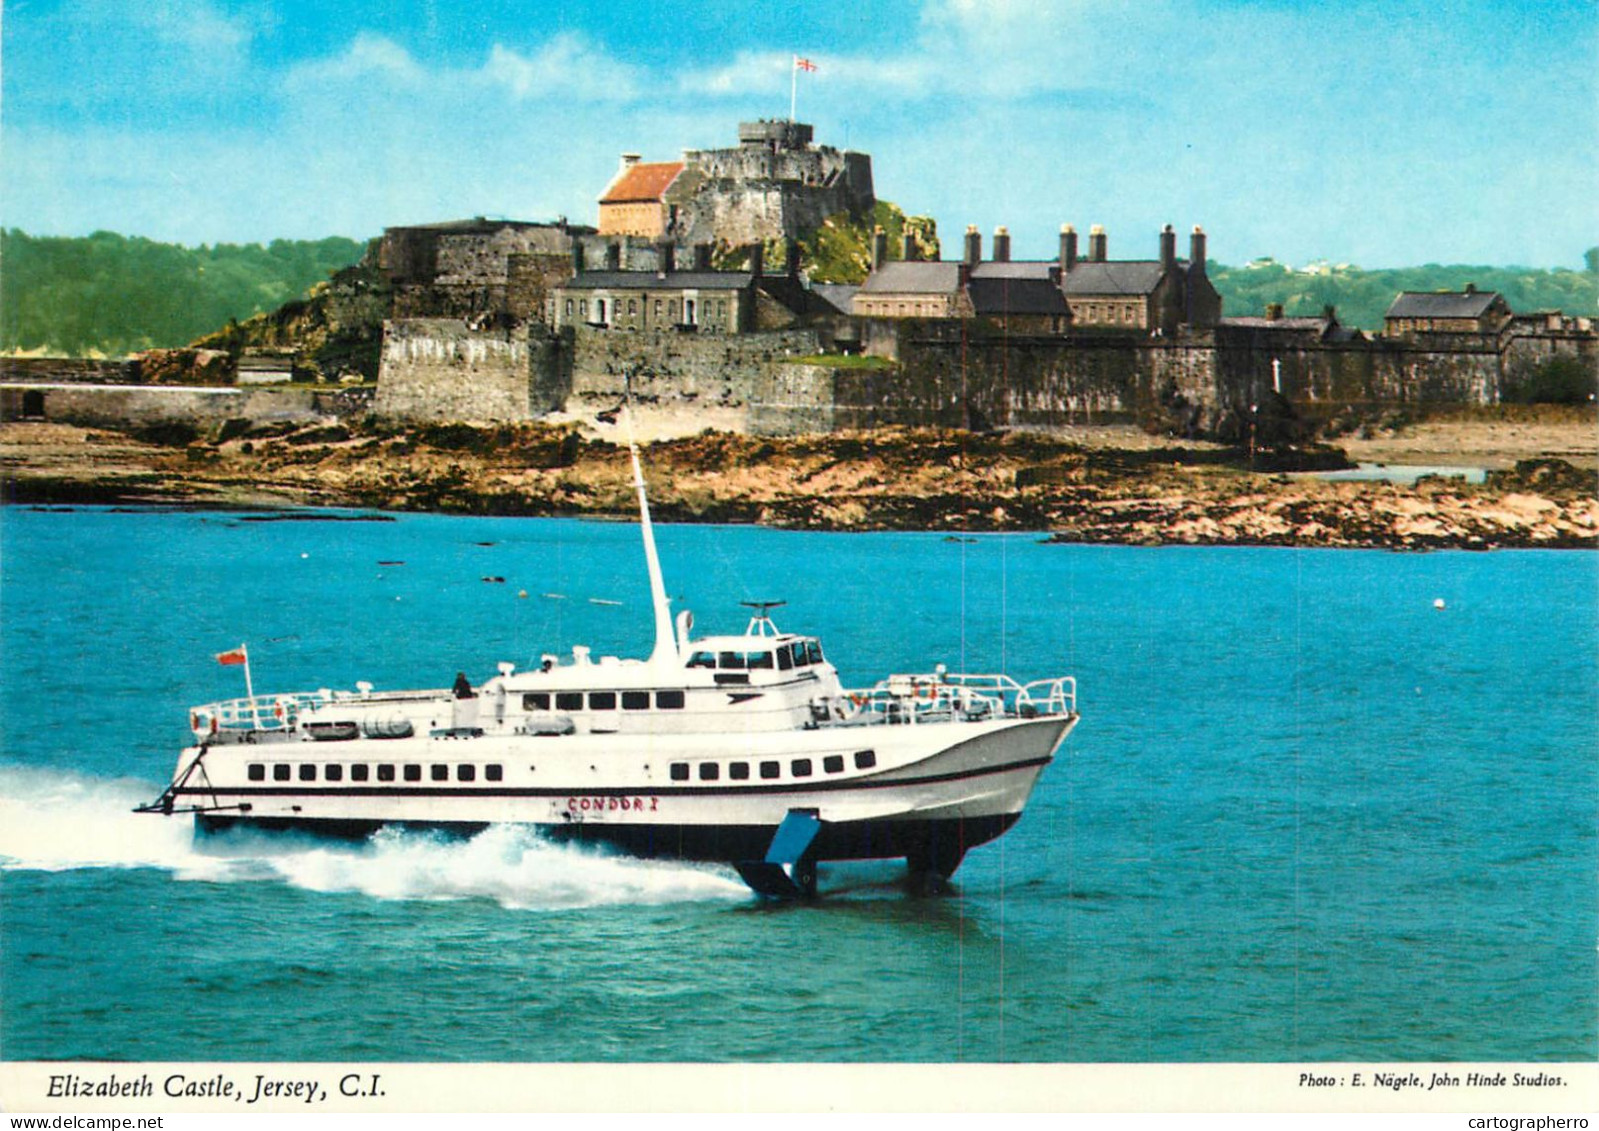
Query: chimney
x: 791, y: 258
x: 1068, y: 248
x: 1168, y: 248
x: 757, y: 259
x: 1097, y: 244
x: 629, y: 160
x: 668, y: 257
x: 974, y: 245
x: 879, y: 247
x: 1274, y: 312
x: 1196, y: 251
x: 1471, y: 288
x: 613, y: 256
x: 1002, y: 244
x: 907, y: 247
x: 702, y: 257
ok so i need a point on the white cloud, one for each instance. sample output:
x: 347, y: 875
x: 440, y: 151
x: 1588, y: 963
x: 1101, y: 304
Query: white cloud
x: 567, y: 67
x: 367, y: 58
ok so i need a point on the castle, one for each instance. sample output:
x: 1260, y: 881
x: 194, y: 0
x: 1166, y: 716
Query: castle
x: 670, y: 295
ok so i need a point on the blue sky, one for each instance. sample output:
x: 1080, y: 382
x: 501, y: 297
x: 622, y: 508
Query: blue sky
x: 1380, y: 133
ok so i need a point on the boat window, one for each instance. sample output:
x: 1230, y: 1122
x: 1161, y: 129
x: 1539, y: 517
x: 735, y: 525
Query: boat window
x: 865, y: 759
x: 669, y: 700
x: 770, y: 770
x: 702, y: 660
x: 494, y: 773
x: 466, y: 773
x: 257, y: 772
x: 797, y: 650
x: 413, y: 772
x: 569, y: 701
x: 440, y: 772
x: 307, y: 772
x: 680, y: 771
x: 800, y: 767
x: 602, y: 700
x: 358, y: 773
x: 833, y: 763
x: 731, y: 660
x: 760, y: 660
x: 784, y: 661
x: 635, y: 700
x: 280, y: 772
x: 334, y: 772
x: 385, y: 773
x: 738, y: 771
x: 536, y: 701
x: 813, y: 651
x: 710, y: 771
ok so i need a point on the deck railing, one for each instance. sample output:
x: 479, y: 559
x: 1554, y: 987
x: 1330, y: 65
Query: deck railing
x: 942, y: 697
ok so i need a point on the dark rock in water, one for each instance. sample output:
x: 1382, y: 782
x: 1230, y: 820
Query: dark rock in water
x: 322, y: 434
x: 1544, y: 476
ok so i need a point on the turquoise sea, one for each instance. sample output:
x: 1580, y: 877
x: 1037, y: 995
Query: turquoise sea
x: 1308, y: 815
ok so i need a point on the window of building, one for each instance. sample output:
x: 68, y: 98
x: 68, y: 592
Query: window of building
x: 602, y: 700
x: 599, y: 310
x: 494, y: 773
x: 583, y: 309
x: 770, y: 770
x: 800, y: 767
x: 865, y: 759
x: 688, y: 311
x: 536, y: 701
x: 632, y: 306
x: 440, y: 772
x: 569, y: 307
x: 669, y: 700
x: 334, y: 772
x: 680, y: 771
x: 635, y: 700
x: 569, y: 701
x: 256, y: 772
x: 465, y: 773
x: 738, y: 771
x: 833, y: 763
x: 385, y: 773
x: 710, y: 771
x: 359, y: 772
x: 413, y: 772
x: 280, y: 772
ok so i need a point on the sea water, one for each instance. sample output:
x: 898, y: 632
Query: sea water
x: 1309, y: 814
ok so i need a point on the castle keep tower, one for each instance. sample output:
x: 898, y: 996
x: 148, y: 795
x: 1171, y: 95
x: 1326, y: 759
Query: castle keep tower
x: 775, y: 184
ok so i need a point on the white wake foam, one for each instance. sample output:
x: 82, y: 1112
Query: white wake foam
x: 53, y: 821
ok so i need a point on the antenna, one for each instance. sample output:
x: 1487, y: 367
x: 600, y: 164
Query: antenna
x: 761, y: 622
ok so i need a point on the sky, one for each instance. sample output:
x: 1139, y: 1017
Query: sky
x: 1382, y: 133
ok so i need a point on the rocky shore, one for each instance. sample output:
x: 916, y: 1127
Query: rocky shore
x: 1101, y: 485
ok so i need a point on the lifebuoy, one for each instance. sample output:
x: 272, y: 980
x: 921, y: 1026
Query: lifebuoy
x: 926, y: 691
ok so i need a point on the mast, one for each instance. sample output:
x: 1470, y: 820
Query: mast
x: 665, y: 643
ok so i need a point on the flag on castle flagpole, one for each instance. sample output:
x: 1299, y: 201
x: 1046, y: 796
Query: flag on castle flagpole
x: 793, y: 81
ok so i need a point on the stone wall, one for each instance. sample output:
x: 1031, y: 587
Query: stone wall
x: 747, y: 374
x: 68, y: 369
x: 138, y: 405
x: 441, y: 369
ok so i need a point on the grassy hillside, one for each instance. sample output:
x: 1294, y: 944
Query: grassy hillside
x: 114, y: 295
x: 1362, y: 297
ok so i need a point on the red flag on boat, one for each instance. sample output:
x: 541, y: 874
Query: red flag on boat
x: 803, y: 64
x: 236, y: 656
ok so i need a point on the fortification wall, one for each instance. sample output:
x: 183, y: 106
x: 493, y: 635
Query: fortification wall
x: 441, y: 369
x: 105, y: 406
x: 67, y: 369
x: 748, y: 374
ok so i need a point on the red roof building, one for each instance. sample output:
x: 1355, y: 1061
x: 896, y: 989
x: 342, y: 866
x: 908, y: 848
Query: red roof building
x: 635, y: 203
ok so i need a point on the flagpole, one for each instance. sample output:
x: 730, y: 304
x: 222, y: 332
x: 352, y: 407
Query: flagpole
x: 249, y: 688
x: 793, y: 86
